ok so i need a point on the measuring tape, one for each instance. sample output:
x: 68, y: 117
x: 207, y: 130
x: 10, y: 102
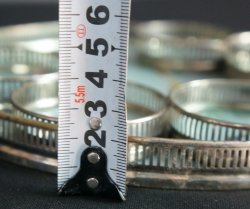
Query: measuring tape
x: 92, y: 133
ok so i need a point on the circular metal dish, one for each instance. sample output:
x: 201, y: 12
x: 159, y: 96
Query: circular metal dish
x: 17, y: 66
x: 146, y: 107
x: 152, y: 162
x: 37, y: 37
x: 186, y: 164
x: 179, y: 45
x: 213, y: 110
x: 166, y: 163
x: 22, y: 59
x: 14, y: 131
x: 238, y: 55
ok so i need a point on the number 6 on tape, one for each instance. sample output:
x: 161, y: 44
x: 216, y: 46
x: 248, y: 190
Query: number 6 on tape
x: 92, y: 133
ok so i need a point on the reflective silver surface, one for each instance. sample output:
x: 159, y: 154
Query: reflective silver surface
x: 17, y: 66
x: 179, y: 45
x: 37, y: 37
x: 214, y: 110
x: 22, y: 58
x: 184, y: 164
x: 146, y: 107
x: 29, y: 138
x: 168, y: 163
x: 238, y: 54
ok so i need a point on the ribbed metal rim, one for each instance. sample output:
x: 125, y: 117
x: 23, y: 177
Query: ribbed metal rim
x: 170, y: 163
x: 152, y: 124
x: 14, y: 55
x: 152, y: 162
x: 176, y: 108
x: 208, y: 82
x: 17, y: 94
x: 40, y: 66
x: 169, y: 33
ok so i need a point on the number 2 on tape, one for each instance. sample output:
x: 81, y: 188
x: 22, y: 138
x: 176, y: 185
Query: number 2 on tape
x: 92, y: 135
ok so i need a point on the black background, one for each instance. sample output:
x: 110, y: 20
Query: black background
x: 22, y: 188
x: 234, y: 14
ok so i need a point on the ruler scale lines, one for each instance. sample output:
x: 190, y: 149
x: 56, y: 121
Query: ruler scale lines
x: 76, y: 87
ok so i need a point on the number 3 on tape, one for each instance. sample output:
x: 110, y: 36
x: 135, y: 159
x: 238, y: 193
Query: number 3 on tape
x: 92, y: 133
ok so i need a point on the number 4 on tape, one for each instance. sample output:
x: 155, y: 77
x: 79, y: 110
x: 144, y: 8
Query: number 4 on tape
x: 92, y: 131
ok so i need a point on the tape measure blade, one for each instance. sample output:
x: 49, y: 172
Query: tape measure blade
x: 93, y: 48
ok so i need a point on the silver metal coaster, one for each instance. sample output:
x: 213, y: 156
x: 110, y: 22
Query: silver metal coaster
x: 179, y: 45
x: 17, y: 66
x: 238, y: 55
x: 211, y: 110
x: 167, y: 163
x: 30, y: 137
x: 38, y: 101
x: 36, y: 37
x: 184, y: 164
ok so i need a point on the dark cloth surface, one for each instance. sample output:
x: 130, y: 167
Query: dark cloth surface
x: 23, y: 188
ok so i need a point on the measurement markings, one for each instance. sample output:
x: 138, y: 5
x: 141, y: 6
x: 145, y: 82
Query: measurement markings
x: 116, y: 170
x: 117, y: 111
x: 64, y: 167
x: 121, y: 16
x: 68, y: 78
x: 70, y: 138
x: 71, y: 14
x: 69, y: 31
x: 119, y: 142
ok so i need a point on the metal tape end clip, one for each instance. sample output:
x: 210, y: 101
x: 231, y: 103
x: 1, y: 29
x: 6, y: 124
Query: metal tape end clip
x: 92, y: 177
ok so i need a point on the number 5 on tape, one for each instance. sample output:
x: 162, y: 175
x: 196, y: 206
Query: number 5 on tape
x: 92, y: 133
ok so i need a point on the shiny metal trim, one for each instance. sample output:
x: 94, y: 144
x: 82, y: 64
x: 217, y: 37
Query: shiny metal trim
x: 138, y: 96
x: 194, y: 126
x: 175, y: 164
x: 179, y: 45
